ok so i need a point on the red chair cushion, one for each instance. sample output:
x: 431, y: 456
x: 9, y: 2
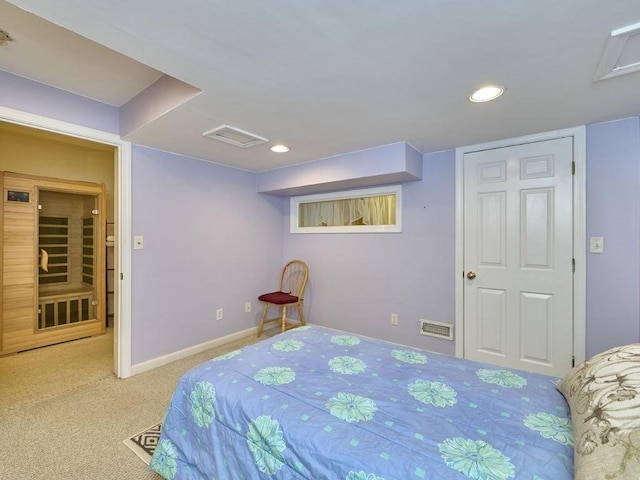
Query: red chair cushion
x: 279, y: 298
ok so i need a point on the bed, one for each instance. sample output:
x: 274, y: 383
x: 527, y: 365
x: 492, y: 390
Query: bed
x: 316, y: 403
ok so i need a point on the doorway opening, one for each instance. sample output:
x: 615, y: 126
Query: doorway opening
x: 117, y: 179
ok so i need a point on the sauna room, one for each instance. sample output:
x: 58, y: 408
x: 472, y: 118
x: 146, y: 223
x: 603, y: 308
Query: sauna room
x: 56, y: 217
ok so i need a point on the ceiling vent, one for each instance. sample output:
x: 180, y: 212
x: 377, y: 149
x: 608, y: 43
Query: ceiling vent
x: 235, y: 136
x: 621, y: 54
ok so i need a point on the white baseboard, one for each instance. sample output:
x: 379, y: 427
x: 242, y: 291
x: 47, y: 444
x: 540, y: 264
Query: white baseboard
x: 187, y: 352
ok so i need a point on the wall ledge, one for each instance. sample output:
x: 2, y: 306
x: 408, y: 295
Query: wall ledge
x: 387, y: 164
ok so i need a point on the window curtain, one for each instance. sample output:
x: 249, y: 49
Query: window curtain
x: 373, y: 210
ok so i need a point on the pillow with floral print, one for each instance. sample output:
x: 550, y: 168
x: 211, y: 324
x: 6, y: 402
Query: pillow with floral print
x: 604, y: 396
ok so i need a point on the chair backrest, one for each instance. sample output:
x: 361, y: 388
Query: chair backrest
x: 294, y: 278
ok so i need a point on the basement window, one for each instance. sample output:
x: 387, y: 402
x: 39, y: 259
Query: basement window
x: 370, y: 210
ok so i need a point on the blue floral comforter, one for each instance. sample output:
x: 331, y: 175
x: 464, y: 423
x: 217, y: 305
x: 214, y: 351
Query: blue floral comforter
x: 317, y: 403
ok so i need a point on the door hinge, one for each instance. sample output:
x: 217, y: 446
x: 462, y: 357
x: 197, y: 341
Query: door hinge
x: 573, y: 168
x: 573, y: 361
x: 573, y: 265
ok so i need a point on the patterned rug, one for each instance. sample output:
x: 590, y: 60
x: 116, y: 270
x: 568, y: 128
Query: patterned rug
x: 143, y: 444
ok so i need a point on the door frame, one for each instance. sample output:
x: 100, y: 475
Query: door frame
x: 122, y: 213
x: 579, y: 232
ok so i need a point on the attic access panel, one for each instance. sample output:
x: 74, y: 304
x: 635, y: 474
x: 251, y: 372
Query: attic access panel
x: 621, y: 54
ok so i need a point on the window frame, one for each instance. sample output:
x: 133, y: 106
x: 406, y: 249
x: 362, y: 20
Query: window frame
x: 296, y: 201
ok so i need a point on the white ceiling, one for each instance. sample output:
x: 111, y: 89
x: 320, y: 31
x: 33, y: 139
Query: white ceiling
x: 333, y: 76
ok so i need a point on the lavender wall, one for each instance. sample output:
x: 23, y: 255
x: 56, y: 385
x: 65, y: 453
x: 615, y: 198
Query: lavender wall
x: 33, y: 97
x: 613, y: 200
x: 358, y: 280
x: 411, y: 273
x: 210, y: 241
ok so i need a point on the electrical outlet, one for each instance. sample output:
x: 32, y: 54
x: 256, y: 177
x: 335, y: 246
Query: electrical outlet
x: 247, y: 307
x: 219, y: 314
x: 394, y: 319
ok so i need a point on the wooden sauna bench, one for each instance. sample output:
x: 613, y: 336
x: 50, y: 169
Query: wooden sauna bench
x: 65, y: 307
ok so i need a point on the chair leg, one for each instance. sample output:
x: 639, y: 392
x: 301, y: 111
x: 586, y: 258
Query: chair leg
x: 301, y: 313
x: 264, y: 314
x: 284, y: 318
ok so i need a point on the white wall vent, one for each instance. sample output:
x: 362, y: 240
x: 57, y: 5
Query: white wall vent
x: 235, y: 136
x: 436, y: 329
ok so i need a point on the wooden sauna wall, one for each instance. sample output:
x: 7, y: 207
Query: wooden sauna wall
x: 19, y: 242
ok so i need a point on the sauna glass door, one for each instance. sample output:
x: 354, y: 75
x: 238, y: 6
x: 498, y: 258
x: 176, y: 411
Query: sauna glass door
x: 67, y: 256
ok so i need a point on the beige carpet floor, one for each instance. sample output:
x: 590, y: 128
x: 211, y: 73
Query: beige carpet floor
x: 44, y: 372
x: 73, y: 429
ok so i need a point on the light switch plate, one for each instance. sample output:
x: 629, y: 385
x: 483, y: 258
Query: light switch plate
x: 596, y: 244
x: 138, y: 242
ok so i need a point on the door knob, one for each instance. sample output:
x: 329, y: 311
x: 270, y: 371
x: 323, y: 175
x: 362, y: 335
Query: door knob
x: 471, y: 275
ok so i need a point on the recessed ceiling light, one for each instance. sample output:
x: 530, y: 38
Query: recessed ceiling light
x: 487, y: 93
x: 279, y: 148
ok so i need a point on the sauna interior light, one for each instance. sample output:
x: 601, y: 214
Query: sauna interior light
x: 279, y: 148
x: 487, y: 93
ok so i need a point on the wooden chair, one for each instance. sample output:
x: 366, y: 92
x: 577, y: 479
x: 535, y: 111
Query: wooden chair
x: 293, y: 281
